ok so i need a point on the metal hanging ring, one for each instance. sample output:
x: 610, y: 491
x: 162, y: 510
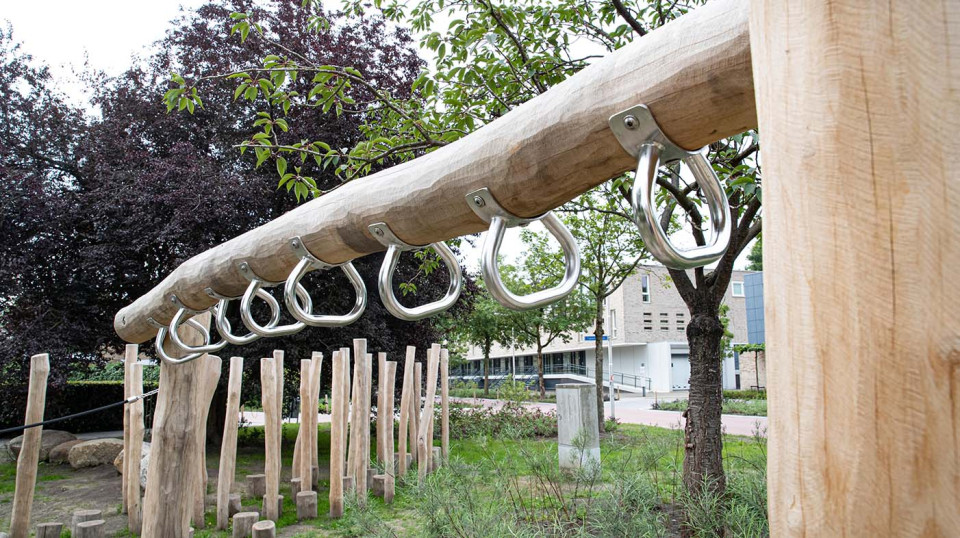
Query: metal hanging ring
x: 309, y: 262
x: 223, y: 324
x: 382, y: 233
x: 162, y: 334
x: 256, y: 283
x: 486, y: 206
x: 640, y: 135
x: 175, y: 336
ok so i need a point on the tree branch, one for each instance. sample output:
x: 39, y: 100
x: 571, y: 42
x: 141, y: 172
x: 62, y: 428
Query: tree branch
x: 623, y: 12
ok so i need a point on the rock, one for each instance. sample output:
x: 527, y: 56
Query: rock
x: 95, y: 452
x: 144, y: 463
x: 48, y: 440
x: 61, y: 452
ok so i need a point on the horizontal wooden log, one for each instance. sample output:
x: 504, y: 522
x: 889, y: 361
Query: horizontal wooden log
x: 694, y: 74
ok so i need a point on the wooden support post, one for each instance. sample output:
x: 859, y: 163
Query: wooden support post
x: 417, y: 408
x: 168, y: 501
x: 268, y: 383
x: 316, y: 369
x: 256, y: 485
x: 278, y: 504
x: 210, y: 376
x: 338, y: 407
x: 306, y: 505
x: 264, y: 529
x: 228, y: 448
x: 26, y: 479
x: 387, y: 411
x: 859, y: 110
x: 278, y: 363
x: 306, y: 401
x: 405, y: 411
x: 81, y: 516
x: 444, y: 405
x: 424, y: 439
x: 367, y: 409
x: 129, y: 358
x: 243, y: 524
x: 381, y: 369
x: 356, y: 410
x: 90, y: 529
x: 49, y: 530
x: 134, y: 453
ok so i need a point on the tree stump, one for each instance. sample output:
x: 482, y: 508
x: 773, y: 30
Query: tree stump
x: 49, y: 530
x: 256, y: 485
x: 348, y: 485
x: 81, y: 516
x: 264, y: 529
x: 296, y: 486
x: 243, y: 524
x: 379, y: 484
x: 90, y: 529
x: 306, y: 505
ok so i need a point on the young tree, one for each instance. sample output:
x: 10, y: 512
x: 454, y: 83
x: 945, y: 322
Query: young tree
x: 756, y: 255
x: 610, y: 250
x: 483, y: 327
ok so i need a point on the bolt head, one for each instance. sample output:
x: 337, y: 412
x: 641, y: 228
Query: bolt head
x: 631, y: 122
x: 378, y: 231
x: 295, y: 243
x: 478, y: 201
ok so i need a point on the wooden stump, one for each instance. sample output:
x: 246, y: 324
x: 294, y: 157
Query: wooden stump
x: 296, y: 486
x: 264, y: 529
x: 49, y: 530
x: 228, y: 447
x: 338, y: 407
x: 435, y: 461
x: 81, y: 516
x: 233, y: 505
x: 306, y: 505
x: 243, y: 524
x: 256, y: 485
x: 379, y: 484
x: 279, y: 505
x: 90, y: 529
x: 268, y: 383
x: 349, y: 485
x: 26, y: 479
x: 133, y: 453
x: 405, y: 411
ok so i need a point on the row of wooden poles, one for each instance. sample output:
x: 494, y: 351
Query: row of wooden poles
x: 351, y: 471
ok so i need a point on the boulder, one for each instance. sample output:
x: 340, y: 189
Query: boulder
x: 144, y: 463
x: 48, y: 440
x: 95, y: 452
x: 61, y: 452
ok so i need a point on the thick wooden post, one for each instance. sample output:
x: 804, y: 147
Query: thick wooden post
x: 358, y: 423
x: 278, y: 363
x: 316, y: 369
x: 381, y: 370
x: 444, y: 405
x: 271, y: 466
x: 29, y: 457
x: 416, y: 404
x: 860, y: 115
x: 388, y: 381
x: 129, y: 358
x: 228, y: 448
x: 367, y: 409
x: 424, y: 438
x: 134, y: 452
x: 338, y: 407
x: 210, y: 374
x: 405, y: 411
x: 305, y: 472
x: 168, y: 501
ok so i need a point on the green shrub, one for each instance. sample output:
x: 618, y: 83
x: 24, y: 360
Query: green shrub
x: 509, y: 421
x: 745, y: 395
x: 730, y: 407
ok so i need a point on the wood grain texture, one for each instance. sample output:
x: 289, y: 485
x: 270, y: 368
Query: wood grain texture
x: 694, y: 73
x: 210, y: 376
x: 228, y: 447
x: 316, y: 369
x: 417, y: 404
x: 134, y: 452
x: 271, y: 466
x: 859, y: 106
x: 424, y: 436
x: 129, y: 357
x: 278, y: 364
x: 168, y: 501
x: 29, y: 457
x: 381, y: 394
x: 405, y: 411
x: 444, y: 405
x: 305, y: 471
x: 339, y: 399
x: 390, y: 379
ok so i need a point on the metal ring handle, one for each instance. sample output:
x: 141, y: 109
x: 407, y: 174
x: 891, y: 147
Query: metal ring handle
x: 178, y: 342
x: 225, y: 329
x: 292, y: 287
x: 282, y: 330
x: 162, y: 334
x: 655, y: 238
x: 385, y: 284
x: 491, y: 271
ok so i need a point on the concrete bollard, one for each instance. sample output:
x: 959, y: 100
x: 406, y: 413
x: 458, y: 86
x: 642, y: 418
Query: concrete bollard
x: 256, y: 485
x: 243, y: 524
x: 578, y: 430
x: 306, y: 505
x: 49, y: 530
x: 264, y: 529
x: 79, y: 516
x: 90, y: 529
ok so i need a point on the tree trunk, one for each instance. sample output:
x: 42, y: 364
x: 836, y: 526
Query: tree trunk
x: 543, y: 390
x: 486, y: 371
x: 703, y: 459
x: 598, y: 359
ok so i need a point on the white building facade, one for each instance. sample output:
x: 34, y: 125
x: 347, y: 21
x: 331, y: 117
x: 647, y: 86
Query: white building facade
x: 646, y: 326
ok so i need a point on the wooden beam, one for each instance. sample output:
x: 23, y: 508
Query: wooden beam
x: 693, y: 73
x: 859, y: 115
x: 29, y: 458
x: 228, y: 448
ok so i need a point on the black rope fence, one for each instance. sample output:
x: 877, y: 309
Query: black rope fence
x: 129, y: 400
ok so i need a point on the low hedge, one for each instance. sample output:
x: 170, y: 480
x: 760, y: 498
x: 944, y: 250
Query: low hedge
x: 745, y: 394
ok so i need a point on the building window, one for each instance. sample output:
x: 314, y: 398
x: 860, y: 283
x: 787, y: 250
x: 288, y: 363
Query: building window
x: 681, y: 324
x: 738, y: 289
x: 613, y: 323
x: 647, y: 321
x: 664, y: 321
x: 645, y: 288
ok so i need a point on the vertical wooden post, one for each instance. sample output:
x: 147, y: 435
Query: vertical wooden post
x: 315, y: 372
x: 367, y: 409
x: 424, y: 438
x: 271, y: 466
x: 228, y: 448
x: 416, y: 410
x: 358, y: 423
x: 859, y: 110
x: 405, y: 411
x: 209, y: 376
x: 381, y: 370
x: 129, y: 358
x: 338, y: 407
x: 387, y: 412
x: 29, y: 457
x: 444, y: 405
x: 174, y: 449
x: 278, y: 363
x: 305, y: 471
x: 131, y: 459
x: 345, y: 414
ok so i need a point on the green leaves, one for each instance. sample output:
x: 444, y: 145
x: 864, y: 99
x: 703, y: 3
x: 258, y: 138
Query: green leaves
x: 181, y: 97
